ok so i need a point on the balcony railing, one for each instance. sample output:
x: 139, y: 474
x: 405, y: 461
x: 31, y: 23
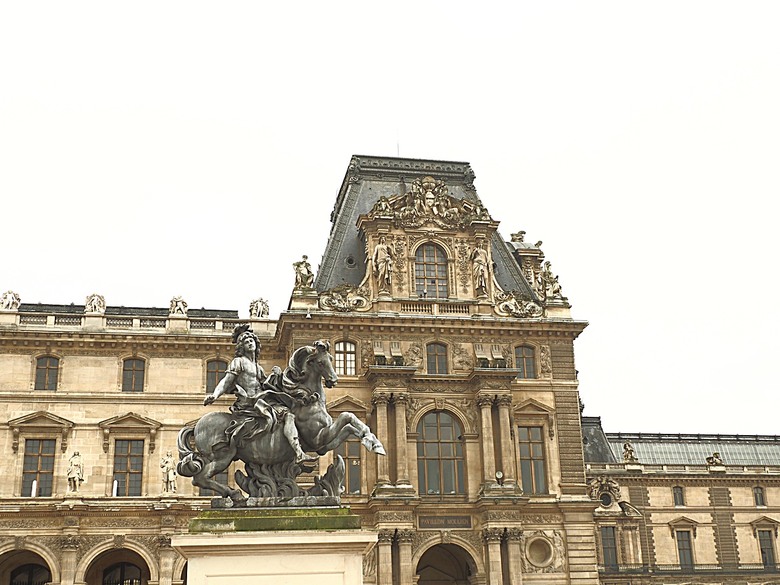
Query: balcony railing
x: 637, y: 569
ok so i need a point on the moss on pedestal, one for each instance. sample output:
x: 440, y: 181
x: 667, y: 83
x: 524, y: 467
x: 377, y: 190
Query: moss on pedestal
x: 258, y: 520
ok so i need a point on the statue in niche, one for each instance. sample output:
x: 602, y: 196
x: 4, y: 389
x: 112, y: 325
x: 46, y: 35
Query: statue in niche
x: 274, y: 426
x: 95, y: 304
x: 629, y: 455
x: 258, y: 309
x: 382, y: 259
x: 168, y: 466
x: 75, y: 472
x: 304, y: 276
x: 10, y: 301
x: 480, y: 268
x: 178, y: 306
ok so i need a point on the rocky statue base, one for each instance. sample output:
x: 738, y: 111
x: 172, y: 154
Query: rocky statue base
x: 292, y: 502
x: 266, y: 546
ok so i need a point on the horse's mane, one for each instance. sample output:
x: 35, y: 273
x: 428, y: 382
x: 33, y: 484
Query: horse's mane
x: 295, y: 371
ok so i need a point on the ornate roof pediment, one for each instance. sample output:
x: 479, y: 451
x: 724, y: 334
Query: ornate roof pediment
x: 766, y: 523
x: 683, y: 523
x: 428, y: 203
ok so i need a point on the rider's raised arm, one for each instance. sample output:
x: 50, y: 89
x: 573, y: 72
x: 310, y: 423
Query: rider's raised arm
x: 226, y: 384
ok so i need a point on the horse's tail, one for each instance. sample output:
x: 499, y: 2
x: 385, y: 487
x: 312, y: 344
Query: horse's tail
x: 190, y: 463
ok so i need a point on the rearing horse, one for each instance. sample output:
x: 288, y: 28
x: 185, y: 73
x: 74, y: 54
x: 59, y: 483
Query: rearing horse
x: 317, y: 430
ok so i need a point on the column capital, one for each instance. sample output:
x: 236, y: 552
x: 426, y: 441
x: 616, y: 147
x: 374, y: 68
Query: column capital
x: 401, y: 398
x: 492, y: 534
x: 380, y: 398
x: 514, y: 533
x: 405, y: 535
x: 385, y: 536
x: 484, y: 400
x: 504, y: 400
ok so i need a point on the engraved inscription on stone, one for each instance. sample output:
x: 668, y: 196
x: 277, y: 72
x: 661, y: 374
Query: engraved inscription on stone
x: 443, y: 522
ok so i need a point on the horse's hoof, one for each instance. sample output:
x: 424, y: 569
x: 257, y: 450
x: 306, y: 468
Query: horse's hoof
x: 305, y: 458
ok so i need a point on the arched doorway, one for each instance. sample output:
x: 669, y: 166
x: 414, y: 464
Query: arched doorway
x: 445, y: 564
x: 118, y: 567
x: 24, y: 567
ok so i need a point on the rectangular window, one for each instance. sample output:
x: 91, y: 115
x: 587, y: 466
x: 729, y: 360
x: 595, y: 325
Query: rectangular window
x: 221, y: 477
x: 758, y: 496
x: 685, y: 549
x: 128, y: 467
x: 533, y: 469
x: 678, y: 495
x: 609, y: 547
x: 38, y: 473
x: 133, y: 375
x: 350, y: 451
x: 46, y: 371
x: 767, y: 546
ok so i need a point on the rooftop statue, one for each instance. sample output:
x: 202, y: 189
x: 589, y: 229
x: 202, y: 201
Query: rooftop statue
x: 274, y: 426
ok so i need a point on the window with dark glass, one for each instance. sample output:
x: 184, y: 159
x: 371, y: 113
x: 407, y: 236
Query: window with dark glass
x: 524, y: 362
x: 30, y: 574
x: 609, y: 546
x: 684, y: 549
x: 758, y: 496
x: 128, y: 467
x: 345, y: 354
x: 215, y: 371
x: 46, y: 371
x: 767, y: 546
x: 440, y: 468
x: 133, y: 375
x: 430, y: 272
x: 678, y: 495
x: 533, y: 469
x: 38, y: 472
x: 221, y: 477
x: 122, y: 574
x: 350, y: 451
x: 437, y: 358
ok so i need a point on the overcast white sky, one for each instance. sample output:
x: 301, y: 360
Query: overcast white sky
x: 151, y: 149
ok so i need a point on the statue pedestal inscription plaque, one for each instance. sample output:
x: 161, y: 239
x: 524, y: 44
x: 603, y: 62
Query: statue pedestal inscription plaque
x: 235, y: 547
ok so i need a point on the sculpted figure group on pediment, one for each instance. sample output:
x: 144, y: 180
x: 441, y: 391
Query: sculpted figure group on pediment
x: 10, y: 301
x: 428, y: 201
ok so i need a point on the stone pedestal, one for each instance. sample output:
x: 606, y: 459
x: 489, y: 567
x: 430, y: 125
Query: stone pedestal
x: 272, y: 546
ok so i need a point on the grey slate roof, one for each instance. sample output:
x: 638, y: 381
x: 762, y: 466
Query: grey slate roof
x: 367, y: 178
x: 678, y: 449
x: 126, y: 311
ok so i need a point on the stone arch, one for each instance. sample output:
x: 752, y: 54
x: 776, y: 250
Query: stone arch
x: 179, y: 568
x: 447, y: 559
x: 443, y: 405
x: 12, y: 557
x: 105, y: 549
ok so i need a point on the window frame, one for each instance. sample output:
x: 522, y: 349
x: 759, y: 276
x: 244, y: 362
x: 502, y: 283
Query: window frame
x: 47, y: 369
x: 38, y: 470
x: 440, y: 358
x: 613, y: 549
x: 353, y: 465
x: 122, y: 380
x: 525, y: 359
x: 458, y: 470
x: 438, y: 264
x: 691, y: 563
x: 212, y: 375
x: 29, y: 568
x: 759, y: 496
x: 142, y: 472
x: 678, y: 496
x: 343, y: 350
x: 532, y: 459
x: 769, y: 544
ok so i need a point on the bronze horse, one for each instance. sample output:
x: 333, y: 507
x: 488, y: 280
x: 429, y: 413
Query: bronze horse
x: 318, y: 432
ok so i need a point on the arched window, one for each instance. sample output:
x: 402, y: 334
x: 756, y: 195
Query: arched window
x: 437, y: 358
x: 430, y: 272
x: 524, y: 362
x: 133, y: 375
x: 215, y: 371
x: 440, y: 468
x: 122, y: 574
x: 30, y: 574
x: 345, y: 354
x: 46, y: 370
x: 758, y: 496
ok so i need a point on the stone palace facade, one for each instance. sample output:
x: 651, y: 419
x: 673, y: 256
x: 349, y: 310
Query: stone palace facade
x: 454, y: 344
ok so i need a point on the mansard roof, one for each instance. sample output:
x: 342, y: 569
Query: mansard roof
x: 73, y: 309
x: 678, y: 448
x: 367, y: 179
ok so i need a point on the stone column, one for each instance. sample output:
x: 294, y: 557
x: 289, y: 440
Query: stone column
x: 70, y: 544
x: 380, y: 401
x: 401, y: 461
x: 167, y: 559
x: 515, y: 552
x: 505, y: 440
x: 492, y: 538
x: 405, y: 556
x: 485, y: 404
x: 384, y: 559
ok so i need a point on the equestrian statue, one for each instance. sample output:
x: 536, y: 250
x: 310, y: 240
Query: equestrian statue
x: 275, y: 426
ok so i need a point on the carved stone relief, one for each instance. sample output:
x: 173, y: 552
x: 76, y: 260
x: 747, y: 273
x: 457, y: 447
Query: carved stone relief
x: 344, y: 298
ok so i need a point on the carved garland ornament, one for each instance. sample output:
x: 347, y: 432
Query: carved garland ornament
x: 344, y: 298
x: 514, y: 304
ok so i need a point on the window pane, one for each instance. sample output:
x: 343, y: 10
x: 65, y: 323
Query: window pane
x: 532, y: 460
x: 440, y: 455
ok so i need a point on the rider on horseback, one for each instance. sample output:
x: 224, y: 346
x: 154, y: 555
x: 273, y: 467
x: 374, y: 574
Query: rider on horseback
x: 261, y: 401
